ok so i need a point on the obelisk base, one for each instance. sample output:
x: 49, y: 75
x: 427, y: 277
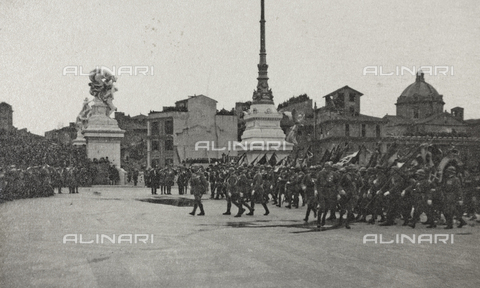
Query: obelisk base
x: 263, y: 135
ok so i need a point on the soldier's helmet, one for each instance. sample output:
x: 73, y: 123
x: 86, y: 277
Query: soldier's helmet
x: 420, y: 173
x: 451, y: 170
x: 194, y: 168
x: 362, y: 169
x: 328, y: 164
x: 343, y: 170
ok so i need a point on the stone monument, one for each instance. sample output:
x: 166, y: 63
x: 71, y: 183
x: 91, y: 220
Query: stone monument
x: 102, y: 134
x: 263, y: 134
x: 82, y: 123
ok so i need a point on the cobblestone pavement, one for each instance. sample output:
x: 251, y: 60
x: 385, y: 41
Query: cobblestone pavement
x: 277, y: 250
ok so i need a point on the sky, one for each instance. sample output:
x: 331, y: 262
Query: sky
x: 211, y: 47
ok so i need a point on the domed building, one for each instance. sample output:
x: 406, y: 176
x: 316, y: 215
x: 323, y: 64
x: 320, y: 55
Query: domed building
x: 419, y: 100
x: 420, y: 112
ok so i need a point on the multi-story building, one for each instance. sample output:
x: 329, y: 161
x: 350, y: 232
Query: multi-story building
x: 340, y: 122
x: 133, y: 146
x: 192, y: 130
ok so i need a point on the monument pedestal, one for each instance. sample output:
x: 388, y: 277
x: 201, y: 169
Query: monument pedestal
x: 103, y: 135
x: 263, y: 134
x: 80, y: 140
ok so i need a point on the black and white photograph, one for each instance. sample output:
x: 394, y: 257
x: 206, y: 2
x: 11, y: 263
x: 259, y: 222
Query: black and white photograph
x: 239, y: 143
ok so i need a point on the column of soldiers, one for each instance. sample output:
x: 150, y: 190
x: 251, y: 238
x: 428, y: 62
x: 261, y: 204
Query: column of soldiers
x: 164, y: 178
x: 40, y: 181
x: 352, y: 193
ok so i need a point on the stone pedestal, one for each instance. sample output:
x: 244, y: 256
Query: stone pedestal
x: 263, y: 133
x: 80, y: 140
x: 103, y: 135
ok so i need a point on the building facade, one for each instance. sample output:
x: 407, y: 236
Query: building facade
x: 340, y: 122
x: 6, y: 116
x: 64, y: 135
x: 192, y: 130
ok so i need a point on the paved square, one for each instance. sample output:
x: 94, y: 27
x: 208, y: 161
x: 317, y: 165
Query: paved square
x: 277, y: 250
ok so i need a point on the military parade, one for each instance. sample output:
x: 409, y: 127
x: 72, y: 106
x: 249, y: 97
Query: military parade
x: 387, y: 192
x: 153, y: 144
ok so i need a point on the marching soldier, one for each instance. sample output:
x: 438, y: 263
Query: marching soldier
x: 347, y: 195
x: 309, y: 184
x: 243, y: 187
x: 199, y: 187
x: 326, y: 187
x: 422, y: 197
x: 452, y: 193
x: 258, y: 193
x: 231, y: 182
x: 281, y: 182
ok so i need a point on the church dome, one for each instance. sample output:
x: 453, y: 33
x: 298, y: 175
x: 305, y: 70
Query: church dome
x: 420, y: 88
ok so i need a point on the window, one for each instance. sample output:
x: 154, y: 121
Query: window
x: 154, y: 128
x: 339, y: 101
x: 415, y: 113
x: 364, y: 130
x: 352, y: 110
x: 155, y: 145
x: 347, y: 130
x: 169, y: 144
x: 155, y: 163
x: 352, y: 97
x: 377, y: 131
x: 169, y: 127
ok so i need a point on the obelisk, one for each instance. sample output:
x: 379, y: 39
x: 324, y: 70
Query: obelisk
x: 263, y: 134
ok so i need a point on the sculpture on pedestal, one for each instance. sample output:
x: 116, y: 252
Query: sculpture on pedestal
x: 297, y: 119
x: 82, y: 118
x: 102, y: 87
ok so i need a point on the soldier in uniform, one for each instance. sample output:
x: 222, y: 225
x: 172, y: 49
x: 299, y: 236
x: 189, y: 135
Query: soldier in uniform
x: 376, y: 190
x: 281, y: 182
x: 220, y: 186
x: 199, y: 187
x: 290, y: 187
x: 452, y: 193
x: 326, y: 186
x: 332, y: 186
x: 347, y: 194
x: 268, y: 184
x: 161, y: 180
x: 392, y: 196
x: 309, y: 186
x: 258, y: 195
x: 169, y: 180
x: 422, y: 198
x: 212, y: 177
x: 135, y: 177
x: 299, y: 192
x: 154, y: 180
x: 57, y: 179
x: 180, y: 181
x: 231, y: 182
x: 243, y: 188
